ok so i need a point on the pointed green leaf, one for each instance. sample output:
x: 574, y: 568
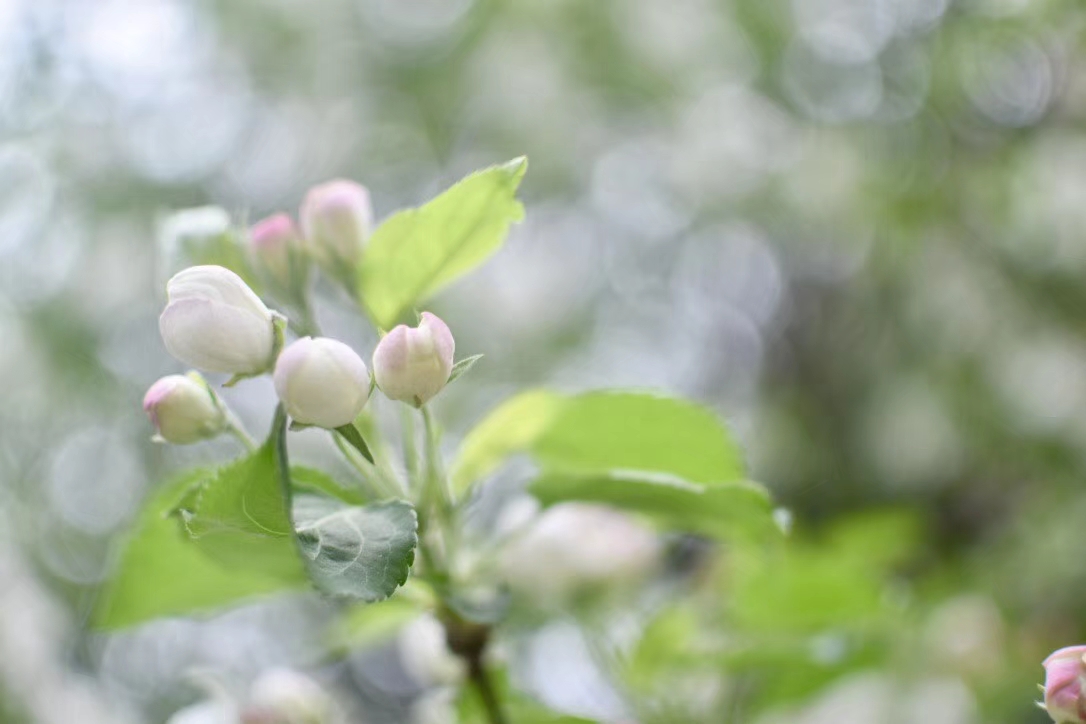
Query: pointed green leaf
x: 161, y: 573
x: 415, y: 252
x: 357, y: 552
x: 511, y: 427
x: 734, y: 509
x: 239, y: 515
x: 463, y: 366
x: 598, y: 432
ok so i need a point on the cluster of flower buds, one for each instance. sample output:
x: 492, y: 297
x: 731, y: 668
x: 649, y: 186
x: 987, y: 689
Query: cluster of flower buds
x: 336, y: 220
x: 1065, y: 676
x: 213, y: 321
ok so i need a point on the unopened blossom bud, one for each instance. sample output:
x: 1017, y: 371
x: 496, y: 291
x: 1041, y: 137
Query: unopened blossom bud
x: 573, y: 547
x: 321, y: 382
x: 413, y: 365
x: 184, y: 409
x: 276, y: 245
x: 284, y: 696
x: 336, y: 218
x: 1065, y: 671
x: 214, y: 321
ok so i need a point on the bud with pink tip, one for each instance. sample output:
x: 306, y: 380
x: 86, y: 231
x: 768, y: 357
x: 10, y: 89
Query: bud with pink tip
x: 215, y: 322
x: 413, y: 365
x: 1065, y: 671
x: 321, y: 382
x: 276, y: 245
x: 336, y: 218
x: 184, y: 409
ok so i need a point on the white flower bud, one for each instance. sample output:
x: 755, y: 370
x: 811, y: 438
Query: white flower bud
x: 321, y: 382
x: 184, y: 409
x: 572, y: 547
x: 276, y: 245
x: 425, y: 655
x: 336, y: 218
x: 413, y: 365
x: 284, y: 696
x: 215, y: 322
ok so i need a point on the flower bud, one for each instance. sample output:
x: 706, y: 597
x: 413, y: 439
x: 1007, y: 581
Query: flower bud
x: 184, y: 409
x: 1065, y: 671
x: 336, y: 218
x: 215, y: 322
x: 284, y: 696
x: 574, y: 547
x: 276, y: 245
x: 413, y: 365
x: 321, y: 382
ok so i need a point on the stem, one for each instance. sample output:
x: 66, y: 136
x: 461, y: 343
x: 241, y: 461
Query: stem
x: 437, y: 486
x: 351, y: 434
x: 480, y: 678
x: 235, y: 428
x: 369, y: 487
x: 469, y: 640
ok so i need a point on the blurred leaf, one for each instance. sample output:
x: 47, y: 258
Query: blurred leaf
x: 731, y: 509
x: 239, y: 515
x: 161, y: 573
x: 415, y: 252
x: 356, y: 552
x: 600, y: 432
x: 463, y: 366
x: 317, y: 481
x: 510, y: 427
x: 373, y: 624
x: 614, y: 430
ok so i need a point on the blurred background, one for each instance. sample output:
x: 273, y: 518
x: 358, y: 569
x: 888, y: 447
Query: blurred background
x: 854, y: 228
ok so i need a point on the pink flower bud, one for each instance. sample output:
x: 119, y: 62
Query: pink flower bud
x: 1065, y: 671
x: 336, y: 218
x: 276, y: 245
x: 321, y: 382
x: 184, y: 409
x: 413, y: 365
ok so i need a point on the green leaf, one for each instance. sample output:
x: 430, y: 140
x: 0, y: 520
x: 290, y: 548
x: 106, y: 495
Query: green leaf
x: 725, y: 510
x: 317, y: 481
x: 239, y: 516
x: 509, y: 428
x: 415, y: 252
x: 357, y: 552
x: 372, y: 624
x: 604, y: 431
x: 598, y: 432
x: 463, y: 366
x: 161, y: 573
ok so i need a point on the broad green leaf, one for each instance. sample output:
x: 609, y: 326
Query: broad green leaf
x: 417, y: 251
x: 357, y: 552
x: 614, y: 430
x: 598, y: 432
x: 733, y: 509
x: 509, y: 428
x: 239, y: 515
x: 161, y: 573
